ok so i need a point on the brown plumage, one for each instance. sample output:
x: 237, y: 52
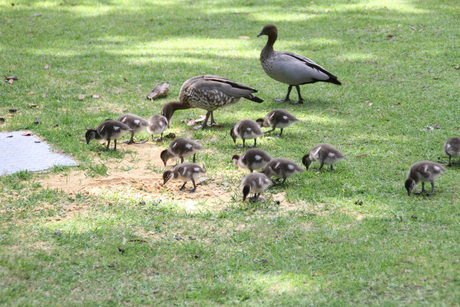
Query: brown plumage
x: 323, y: 154
x: 277, y: 119
x: 424, y: 171
x: 180, y: 148
x: 246, y: 129
x: 282, y: 169
x: 252, y: 159
x: 209, y: 92
x: 290, y: 68
x: 109, y: 130
x: 452, y: 148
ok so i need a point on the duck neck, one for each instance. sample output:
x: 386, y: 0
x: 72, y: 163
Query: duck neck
x: 171, y: 107
x: 268, y: 48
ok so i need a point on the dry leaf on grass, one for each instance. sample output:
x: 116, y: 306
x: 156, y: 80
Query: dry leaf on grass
x: 46, y: 66
x: 31, y: 105
x: 81, y: 97
x: 97, y: 96
x: 27, y: 134
x: 159, y: 90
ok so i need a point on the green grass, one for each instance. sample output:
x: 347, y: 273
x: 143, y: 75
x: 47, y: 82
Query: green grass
x: 398, y: 62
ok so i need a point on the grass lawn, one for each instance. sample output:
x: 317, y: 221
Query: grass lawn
x: 347, y: 237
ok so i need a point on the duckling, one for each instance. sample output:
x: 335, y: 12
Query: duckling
x: 452, y: 148
x: 157, y: 124
x: 136, y: 123
x: 252, y: 159
x: 185, y: 172
x: 290, y: 68
x: 255, y: 183
x: 324, y: 154
x: 277, y: 119
x: 246, y: 129
x: 210, y: 93
x: 424, y: 171
x: 180, y: 148
x: 281, y: 168
x: 109, y: 130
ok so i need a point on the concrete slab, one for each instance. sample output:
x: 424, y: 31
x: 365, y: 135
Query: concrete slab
x: 21, y: 150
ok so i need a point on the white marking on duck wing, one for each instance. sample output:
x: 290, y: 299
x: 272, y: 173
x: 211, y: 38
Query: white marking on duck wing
x: 184, y: 171
x: 249, y: 129
x: 331, y: 155
x: 271, y: 116
x: 116, y: 128
x: 137, y: 122
x: 188, y: 146
x: 102, y: 128
x: 285, y: 117
x: 425, y: 169
x: 276, y: 165
x: 291, y: 167
x: 315, y: 153
x: 174, y: 145
x: 437, y: 168
x: 257, y: 157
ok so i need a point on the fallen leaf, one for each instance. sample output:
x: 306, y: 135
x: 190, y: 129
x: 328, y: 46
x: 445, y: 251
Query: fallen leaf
x: 37, y: 142
x: 170, y: 136
x: 31, y: 105
x: 244, y: 37
x: 36, y: 122
x: 413, y: 28
x: 191, y: 122
x: 27, y: 134
x: 97, y: 96
x: 159, y: 90
x: 370, y: 104
x: 363, y: 155
x: 11, y: 78
x: 46, y: 66
x: 456, y: 67
x: 9, y: 136
x: 45, y: 95
x: 11, y: 81
x: 12, y: 110
x: 200, y: 119
x: 36, y: 15
x: 81, y: 97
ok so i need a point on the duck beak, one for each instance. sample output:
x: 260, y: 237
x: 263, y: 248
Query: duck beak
x: 260, y: 34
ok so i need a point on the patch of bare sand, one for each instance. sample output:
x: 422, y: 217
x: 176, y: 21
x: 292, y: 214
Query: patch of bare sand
x: 139, y: 175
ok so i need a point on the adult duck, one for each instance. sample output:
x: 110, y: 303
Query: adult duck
x: 290, y: 68
x: 210, y: 93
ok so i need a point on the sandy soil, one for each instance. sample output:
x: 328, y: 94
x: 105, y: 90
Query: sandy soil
x: 139, y: 175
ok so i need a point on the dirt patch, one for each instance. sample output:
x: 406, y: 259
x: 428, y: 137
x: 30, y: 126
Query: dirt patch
x: 139, y: 175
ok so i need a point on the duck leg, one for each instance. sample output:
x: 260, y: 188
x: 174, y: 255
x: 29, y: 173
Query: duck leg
x: 300, y: 96
x: 194, y: 155
x: 287, y: 95
x: 280, y: 132
x: 423, y: 189
x: 450, y: 164
x: 108, y: 143
x: 194, y: 186
x: 255, y: 142
x: 183, y: 186
x: 432, y: 189
x: 332, y: 167
x: 212, y: 118
x: 131, y: 140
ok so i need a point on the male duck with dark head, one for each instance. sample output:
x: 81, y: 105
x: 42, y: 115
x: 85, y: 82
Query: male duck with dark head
x: 210, y: 93
x: 109, y: 130
x: 290, y: 68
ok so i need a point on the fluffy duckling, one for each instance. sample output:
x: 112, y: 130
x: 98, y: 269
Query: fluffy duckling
x: 185, y: 172
x: 210, y: 93
x: 255, y: 183
x: 252, y: 159
x: 157, y: 124
x: 180, y: 148
x: 246, y: 129
x: 136, y: 123
x: 109, y: 130
x: 277, y: 119
x: 290, y: 68
x: 323, y: 154
x: 452, y: 149
x: 424, y: 171
x: 281, y: 168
